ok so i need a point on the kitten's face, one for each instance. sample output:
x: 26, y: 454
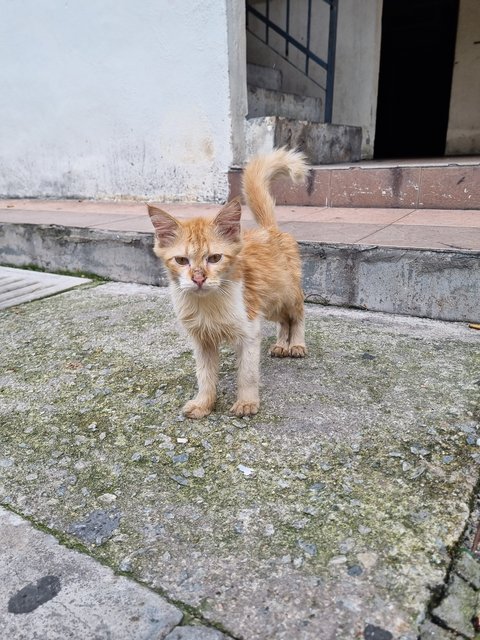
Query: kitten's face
x: 200, y: 254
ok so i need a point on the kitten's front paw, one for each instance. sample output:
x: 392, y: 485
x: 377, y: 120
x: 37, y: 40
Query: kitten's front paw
x: 279, y: 352
x: 245, y: 408
x: 195, y: 410
x: 298, y: 351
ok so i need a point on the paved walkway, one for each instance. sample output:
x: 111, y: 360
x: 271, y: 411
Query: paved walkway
x: 414, y: 228
x: 343, y: 510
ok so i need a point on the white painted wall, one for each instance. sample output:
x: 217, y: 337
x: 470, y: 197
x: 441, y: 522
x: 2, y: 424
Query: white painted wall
x: 463, y: 135
x: 357, y: 66
x: 120, y: 98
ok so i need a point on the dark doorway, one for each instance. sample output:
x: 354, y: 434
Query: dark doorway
x: 416, y: 64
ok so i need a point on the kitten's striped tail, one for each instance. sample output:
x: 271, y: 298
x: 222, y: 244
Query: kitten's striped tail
x: 258, y: 175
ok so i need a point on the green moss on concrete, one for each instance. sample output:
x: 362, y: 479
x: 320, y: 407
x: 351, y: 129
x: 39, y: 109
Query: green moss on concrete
x: 61, y: 272
x: 356, y: 461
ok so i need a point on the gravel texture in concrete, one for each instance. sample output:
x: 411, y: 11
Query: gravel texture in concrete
x: 334, y: 513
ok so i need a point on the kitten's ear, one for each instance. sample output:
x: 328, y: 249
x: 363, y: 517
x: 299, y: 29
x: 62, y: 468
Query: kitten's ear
x: 166, y: 227
x: 227, y: 221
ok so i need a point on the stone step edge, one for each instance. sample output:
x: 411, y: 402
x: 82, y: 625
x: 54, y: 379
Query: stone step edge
x: 322, y: 143
x: 402, y: 187
x: 433, y: 283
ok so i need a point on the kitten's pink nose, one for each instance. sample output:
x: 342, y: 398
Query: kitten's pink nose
x: 199, y: 278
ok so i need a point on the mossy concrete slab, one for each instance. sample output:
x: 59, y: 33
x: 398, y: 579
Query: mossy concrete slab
x: 334, y: 513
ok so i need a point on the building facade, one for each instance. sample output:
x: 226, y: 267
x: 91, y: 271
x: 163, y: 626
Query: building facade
x: 121, y: 99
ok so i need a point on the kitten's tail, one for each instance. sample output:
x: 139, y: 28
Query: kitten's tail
x: 261, y: 171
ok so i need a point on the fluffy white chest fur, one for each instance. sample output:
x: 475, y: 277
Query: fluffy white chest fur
x: 218, y: 315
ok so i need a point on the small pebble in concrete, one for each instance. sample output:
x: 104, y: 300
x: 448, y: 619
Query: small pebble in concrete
x: 308, y: 548
x: 180, y: 480
x: 107, y: 498
x: 125, y: 565
x: 363, y: 529
x: 247, y: 471
x: 419, y: 451
x: 300, y: 524
x: 180, y: 458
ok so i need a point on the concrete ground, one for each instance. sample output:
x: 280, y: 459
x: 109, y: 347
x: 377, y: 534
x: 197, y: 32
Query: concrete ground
x: 345, y: 509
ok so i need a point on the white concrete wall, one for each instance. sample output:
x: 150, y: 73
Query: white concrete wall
x: 463, y: 135
x: 357, y: 66
x: 120, y: 98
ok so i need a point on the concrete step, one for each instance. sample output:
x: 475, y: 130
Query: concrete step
x: 416, y: 262
x: 264, y: 77
x: 266, y: 102
x: 321, y: 142
x: 446, y: 183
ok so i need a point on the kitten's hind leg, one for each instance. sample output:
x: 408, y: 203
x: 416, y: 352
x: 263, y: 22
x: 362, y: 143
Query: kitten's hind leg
x: 281, y: 349
x: 248, y: 354
x: 206, y: 358
x: 297, y: 347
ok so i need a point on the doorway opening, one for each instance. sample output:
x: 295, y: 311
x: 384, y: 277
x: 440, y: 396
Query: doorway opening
x: 416, y: 65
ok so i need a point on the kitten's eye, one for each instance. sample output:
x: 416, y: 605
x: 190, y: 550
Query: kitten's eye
x: 181, y: 260
x: 216, y: 257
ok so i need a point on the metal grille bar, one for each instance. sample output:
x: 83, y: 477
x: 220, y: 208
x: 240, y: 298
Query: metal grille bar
x: 310, y: 56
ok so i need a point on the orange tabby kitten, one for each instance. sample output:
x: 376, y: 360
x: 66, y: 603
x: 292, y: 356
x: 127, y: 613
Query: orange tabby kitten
x: 222, y: 281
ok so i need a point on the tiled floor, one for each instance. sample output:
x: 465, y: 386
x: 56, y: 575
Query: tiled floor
x: 419, y: 228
